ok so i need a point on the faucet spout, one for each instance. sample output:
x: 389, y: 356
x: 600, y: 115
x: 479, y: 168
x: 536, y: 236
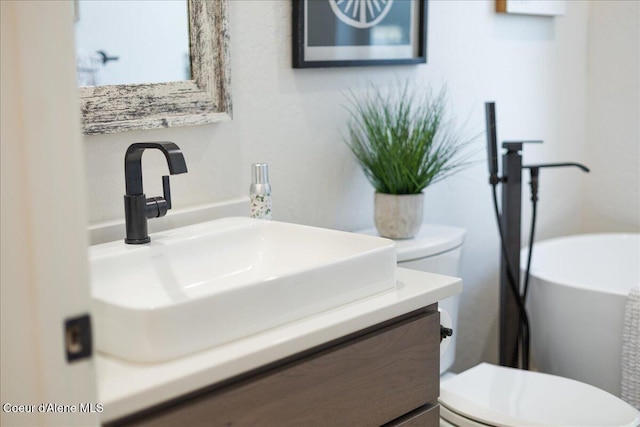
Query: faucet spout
x: 133, y: 162
x: 580, y: 166
x: 137, y: 207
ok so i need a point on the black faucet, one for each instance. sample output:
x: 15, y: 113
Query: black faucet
x: 137, y: 208
x: 514, y: 321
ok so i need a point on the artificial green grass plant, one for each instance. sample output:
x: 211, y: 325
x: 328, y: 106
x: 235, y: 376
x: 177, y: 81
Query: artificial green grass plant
x: 402, y: 139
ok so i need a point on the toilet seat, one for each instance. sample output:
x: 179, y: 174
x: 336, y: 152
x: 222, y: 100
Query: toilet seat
x: 505, y: 397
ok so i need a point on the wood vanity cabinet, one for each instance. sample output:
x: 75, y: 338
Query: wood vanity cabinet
x: 385, y: 375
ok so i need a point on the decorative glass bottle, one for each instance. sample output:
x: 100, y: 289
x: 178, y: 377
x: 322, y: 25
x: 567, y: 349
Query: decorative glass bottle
x: 260, y: 191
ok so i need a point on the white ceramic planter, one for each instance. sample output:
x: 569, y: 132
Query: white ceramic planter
x: 398, y: 216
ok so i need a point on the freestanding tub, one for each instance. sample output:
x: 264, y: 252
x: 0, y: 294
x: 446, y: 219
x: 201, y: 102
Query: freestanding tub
x: 577, y: 295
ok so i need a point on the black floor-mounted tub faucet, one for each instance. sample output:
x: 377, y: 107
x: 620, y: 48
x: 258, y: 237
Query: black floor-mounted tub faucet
x: 137, y: 208
x: 514, y: 321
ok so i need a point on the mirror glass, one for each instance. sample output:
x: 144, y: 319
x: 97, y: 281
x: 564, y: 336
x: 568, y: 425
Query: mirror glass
x: 170, y: 91
x: 131, y: 42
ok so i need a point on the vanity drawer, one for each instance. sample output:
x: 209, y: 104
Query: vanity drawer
x: 428, y: 415
x: 366, y: 379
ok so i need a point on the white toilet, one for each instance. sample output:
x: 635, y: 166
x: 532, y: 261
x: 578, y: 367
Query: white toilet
x: 490, y: 395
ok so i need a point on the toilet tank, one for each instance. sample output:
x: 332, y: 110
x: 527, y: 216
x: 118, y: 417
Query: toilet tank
x: 436, y: 249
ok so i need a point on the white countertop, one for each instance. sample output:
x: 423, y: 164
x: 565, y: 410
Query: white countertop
x: 126, y: 387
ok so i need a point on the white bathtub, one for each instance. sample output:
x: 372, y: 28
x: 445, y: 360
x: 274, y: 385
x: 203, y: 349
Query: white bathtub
x: 577, y: 295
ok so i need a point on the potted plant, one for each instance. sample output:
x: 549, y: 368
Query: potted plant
x: 403, y: 142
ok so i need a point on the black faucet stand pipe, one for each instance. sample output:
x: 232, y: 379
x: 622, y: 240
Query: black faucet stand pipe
x: 514, y: 322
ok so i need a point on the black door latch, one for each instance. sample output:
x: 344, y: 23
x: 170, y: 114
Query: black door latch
x: 77, y: 338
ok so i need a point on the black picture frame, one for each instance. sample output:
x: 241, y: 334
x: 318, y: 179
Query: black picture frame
x: 304, y: 56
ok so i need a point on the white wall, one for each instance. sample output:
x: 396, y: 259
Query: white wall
x: 533, y: 67
x: 612, y: 200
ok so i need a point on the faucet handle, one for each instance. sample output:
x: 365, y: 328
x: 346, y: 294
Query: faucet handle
x: 166, y: 190
x: 158, y: 206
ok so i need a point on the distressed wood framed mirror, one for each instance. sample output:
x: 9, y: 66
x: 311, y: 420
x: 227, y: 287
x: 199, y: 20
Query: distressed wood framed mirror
x: 205, y: 98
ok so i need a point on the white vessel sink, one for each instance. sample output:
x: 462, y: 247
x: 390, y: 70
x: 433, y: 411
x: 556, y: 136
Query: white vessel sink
x: 199, y: 286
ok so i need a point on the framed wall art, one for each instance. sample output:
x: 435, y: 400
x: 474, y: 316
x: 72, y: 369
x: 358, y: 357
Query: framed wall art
x: 532, y: 7
x: 339, y: 33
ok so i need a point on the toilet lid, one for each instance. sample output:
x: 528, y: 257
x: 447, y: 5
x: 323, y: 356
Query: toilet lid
x: 506, y: 397
x: 431, y: 240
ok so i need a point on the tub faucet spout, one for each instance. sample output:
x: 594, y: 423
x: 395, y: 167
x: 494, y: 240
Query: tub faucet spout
x: 137, y: 207
x: 580, y: 166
